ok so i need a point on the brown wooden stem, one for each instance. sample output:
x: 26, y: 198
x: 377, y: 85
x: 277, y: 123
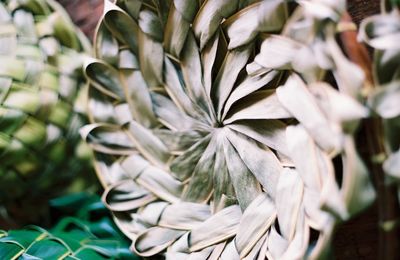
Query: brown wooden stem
x: 371, y: 139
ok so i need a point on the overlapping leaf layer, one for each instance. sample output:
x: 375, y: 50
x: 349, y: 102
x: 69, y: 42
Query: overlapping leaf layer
x: 214, y: 128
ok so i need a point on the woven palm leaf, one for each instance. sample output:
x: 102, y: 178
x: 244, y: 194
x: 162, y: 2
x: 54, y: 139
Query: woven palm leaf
x: 41, y: 55
x: 381, y: 32
x: 88, y: 233
x: 214, y: 129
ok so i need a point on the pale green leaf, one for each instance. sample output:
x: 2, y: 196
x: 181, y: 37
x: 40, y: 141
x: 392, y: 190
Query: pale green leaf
x: 219, y: 227
x: 257, y: 219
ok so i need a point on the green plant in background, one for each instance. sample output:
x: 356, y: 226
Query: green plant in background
x: 89, y: 234
x: 41, y: 108
x: 214, y: 128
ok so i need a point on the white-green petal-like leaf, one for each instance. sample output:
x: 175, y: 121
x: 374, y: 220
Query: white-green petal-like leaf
x: 105, y: 78
x: 151, y: 57
x: 296, y: 98
x: 187, y: 9
x: 121, y: 25
x: 277, y: 52
x: 108, y: 139
x: 224, y: 193
x: 192, y: 73
x: 244, y: 182
x: 178, y: 141
x: 155, y: 240
x: 175, y: 256
x: 381, y: 31
x: 133, y: 7
x: 161, y: 184
x: 217, y: 228
x: 277, y: 245
x: 181, y: 15
x: 177, y: 92
x: 259, y: 250
x: 125, y: 196
x: 184, y: 165
x: 100, y: 107
x: 392, y: 165
x: 208, y: 58
x: 230, y: 252
x: 385, y: 100
x: 258, y: 105
x: 259, y: 159
x: 150, y: 24
x: 170, y: 115
x: 106, y: 47
x: 248, y: 86
x: 200, y: 184
x: 256, y: 220
x: 134, y: 165
x: 325, y: 9
x: 265, y: 16
x: 355, y: 178
x: 349, y: 76
x: 301, y: 146
x: 242, y: 27
x: 289, y: 196
x: 147, y: 143
x: 234, y: 62
x: 271, y: 133
x: 184, y: 215
x: 298, y: 244
x: 151, y: 213
x: 216, y: 251
x: 210, y: 15
x: 336, y: 106
x: 138, y: 97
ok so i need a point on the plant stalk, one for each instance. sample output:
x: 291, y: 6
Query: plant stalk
x: 372, y: 147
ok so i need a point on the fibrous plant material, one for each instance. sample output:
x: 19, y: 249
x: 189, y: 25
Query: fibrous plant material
x: 214, y: 129
x: 41, y: 109
x: 89, y: 234
x: 382, y: 32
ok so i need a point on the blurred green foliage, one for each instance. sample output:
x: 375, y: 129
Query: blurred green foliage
x: 88, y: 234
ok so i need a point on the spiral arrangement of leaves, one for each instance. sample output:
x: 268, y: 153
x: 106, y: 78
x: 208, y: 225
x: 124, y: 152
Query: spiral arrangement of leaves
x: 214, y: 127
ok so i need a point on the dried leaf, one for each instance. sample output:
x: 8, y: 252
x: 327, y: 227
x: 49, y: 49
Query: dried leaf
x: 295, y: 97
x: 259, y: 159
x: 256, y: 220
x: 219, y: 227
x: 289, y: 197
x: 155, y: 240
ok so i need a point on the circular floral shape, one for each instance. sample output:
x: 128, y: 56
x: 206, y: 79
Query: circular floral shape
x: 41, y: 55
x: 214, y: 131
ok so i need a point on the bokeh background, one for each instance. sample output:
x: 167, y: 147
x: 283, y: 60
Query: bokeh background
x: 84, y: 13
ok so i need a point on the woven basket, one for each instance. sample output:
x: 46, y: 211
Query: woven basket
x: 150, y: 188
x: 41, y: 107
